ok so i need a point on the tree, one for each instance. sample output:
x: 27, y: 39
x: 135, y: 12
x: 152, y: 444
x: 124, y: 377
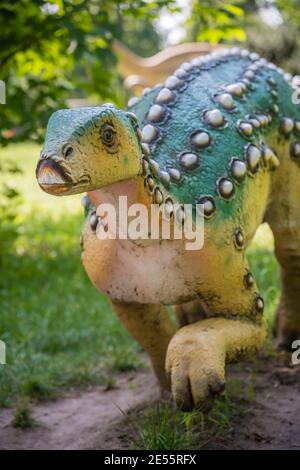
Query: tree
x: 278, y: 42
x: 216, y: 21
x: 52, y: 51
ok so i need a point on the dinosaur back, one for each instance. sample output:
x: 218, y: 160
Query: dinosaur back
x: 205, y: 131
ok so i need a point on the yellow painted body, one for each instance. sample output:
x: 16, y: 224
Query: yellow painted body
x: 206, y: 283
x: 139, y: 279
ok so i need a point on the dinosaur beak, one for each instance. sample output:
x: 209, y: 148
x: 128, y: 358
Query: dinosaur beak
x: 51, y: 177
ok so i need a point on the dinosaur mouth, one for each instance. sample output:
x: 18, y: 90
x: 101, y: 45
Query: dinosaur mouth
x: 51, y: 177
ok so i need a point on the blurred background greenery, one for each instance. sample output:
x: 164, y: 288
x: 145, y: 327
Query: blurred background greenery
x: 54, y: 51
x: 59, y: 331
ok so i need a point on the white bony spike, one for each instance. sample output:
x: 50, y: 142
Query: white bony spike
x: 132, y: 101
x: 225, y: 100
x: 149, y: 133
x: 172, y: 82
x: 164, y: 96
x: 188, y: 160
x: 214, y: 117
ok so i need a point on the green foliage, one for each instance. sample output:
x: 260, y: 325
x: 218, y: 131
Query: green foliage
x: 9, y: 201
x: 23, y: 415
x: 216, y: 21
x: 290, y: 11
x: 124, y: 360
x: 280, y: 45
x: 143, y: 39
x: 53, y: 51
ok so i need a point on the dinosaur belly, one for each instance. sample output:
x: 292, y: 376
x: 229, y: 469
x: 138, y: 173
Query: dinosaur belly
x: 156, y: 273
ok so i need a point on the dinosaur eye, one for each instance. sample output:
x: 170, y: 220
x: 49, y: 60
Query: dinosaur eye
x: 67, y: 151
x: 108, y: 135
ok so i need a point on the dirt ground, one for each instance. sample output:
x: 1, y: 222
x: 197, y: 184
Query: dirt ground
x: 98, y: 419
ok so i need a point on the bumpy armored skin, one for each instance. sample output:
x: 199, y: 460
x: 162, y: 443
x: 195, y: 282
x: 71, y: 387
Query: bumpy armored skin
x: 223, y: 131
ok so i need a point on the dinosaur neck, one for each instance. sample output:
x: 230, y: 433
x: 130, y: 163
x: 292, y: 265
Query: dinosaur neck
x: 133, y: 188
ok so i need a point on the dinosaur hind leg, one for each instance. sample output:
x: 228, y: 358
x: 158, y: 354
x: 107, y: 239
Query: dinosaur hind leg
x: 287, y: 323
x: 150, y: 325
x: 283, y: 215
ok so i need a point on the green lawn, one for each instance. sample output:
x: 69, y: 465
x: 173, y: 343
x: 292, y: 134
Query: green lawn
x: 58, y: 329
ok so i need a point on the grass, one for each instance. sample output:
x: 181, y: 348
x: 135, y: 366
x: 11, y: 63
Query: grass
x: 163, y: 427
x: 59, y: 331
x: 23, y: 416
x: 265, y: 269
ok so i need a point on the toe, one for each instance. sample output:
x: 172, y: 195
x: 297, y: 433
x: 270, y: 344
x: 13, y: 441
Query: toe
x: 217, y: 385
x: 181, y: 390
x: 205, y: 387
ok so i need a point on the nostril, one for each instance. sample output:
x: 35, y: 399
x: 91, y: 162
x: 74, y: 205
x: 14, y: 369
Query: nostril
x: 67, y: 151
x: 43, y: 155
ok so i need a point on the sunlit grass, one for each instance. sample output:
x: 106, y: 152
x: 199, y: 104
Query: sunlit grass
x: 265, y: 269
x: 59, y: 331
x: 26, y: 156
x: 263, y: 238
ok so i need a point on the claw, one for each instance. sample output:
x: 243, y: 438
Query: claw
x: 217, y: 386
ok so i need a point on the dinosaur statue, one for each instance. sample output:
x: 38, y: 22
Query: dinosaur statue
x: 223, y: 132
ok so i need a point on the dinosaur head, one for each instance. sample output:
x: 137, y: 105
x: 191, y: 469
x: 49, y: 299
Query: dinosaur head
x: 88, y: 148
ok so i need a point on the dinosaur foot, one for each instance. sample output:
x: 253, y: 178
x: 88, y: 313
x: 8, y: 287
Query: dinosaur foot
x: 196, y: 370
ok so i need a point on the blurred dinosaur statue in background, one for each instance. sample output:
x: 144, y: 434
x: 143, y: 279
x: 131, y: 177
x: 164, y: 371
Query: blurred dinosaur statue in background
x: 140, y: 72
x: 221, y: 131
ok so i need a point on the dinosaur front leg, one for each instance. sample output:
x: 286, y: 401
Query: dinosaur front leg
x: 189, y: 312
x: 234, y: 329
x: 197, y: 355
x: 150, y: 325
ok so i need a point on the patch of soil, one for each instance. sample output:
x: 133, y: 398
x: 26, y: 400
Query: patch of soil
x: 98, y: 419
x: 273, y: 421
x: 88, y: 419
